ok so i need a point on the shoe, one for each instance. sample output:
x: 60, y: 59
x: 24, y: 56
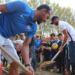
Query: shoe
x: 8, y: 65
x: 67, y: 73
x: 52, y: 70
x: 57, y: 70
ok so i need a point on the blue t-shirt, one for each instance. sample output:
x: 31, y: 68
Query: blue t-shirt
x: 53, y: 52
x: 37, y: 45
x: 18, y: 19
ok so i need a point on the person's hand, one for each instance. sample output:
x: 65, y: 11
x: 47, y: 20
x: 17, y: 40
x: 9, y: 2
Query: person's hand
x: 44, y: 47
x: 61, y: 49
x: 31, y: 71
x: 38, y: 48
x: 18, y: 47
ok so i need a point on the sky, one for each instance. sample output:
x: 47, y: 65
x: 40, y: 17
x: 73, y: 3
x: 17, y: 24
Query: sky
x: 66, y: 3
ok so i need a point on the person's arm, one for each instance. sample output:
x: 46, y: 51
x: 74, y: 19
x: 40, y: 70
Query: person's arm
x: 13, y: 6
x: 25, y: 50
x: 48, y: 48
x: 65, y: 36
x: 36, y: 49
x: 39, y: 48
x: 3, y: 8
x: 25, y: 54
x: 65, y: 39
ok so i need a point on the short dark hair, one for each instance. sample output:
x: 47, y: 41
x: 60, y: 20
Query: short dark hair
x: 44, y: 6
x: 52, y: 34
x: 60, y: 34
x: 37, y: 36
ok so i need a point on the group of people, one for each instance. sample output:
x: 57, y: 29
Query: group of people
x: 43, y: 46
x: 17, y: 17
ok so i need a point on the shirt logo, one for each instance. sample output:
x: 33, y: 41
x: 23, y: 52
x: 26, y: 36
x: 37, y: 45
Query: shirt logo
x: 22, y: 16
x: 38, y: 42
x: 28, y: 27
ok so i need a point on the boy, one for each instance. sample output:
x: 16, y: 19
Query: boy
x: 60, y: 58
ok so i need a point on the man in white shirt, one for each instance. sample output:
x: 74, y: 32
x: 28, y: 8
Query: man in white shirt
x: 65, y: 28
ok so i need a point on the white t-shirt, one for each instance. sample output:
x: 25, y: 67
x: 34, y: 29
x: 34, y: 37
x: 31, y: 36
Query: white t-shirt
x: 64, y: 25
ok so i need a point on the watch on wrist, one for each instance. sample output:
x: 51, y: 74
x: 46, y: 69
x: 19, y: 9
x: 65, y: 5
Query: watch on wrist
x: 27, y: 65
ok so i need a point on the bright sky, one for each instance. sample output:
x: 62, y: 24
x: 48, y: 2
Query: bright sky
x: 66, y: 3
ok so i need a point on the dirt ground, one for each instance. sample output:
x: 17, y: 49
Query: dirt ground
x: 36, y: 73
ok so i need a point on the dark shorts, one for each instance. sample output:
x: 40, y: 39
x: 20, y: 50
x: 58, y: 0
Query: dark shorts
x: 18, y: 52
x: 37, y: 52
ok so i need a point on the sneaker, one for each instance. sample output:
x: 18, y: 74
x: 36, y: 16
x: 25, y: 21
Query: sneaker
x: 39, y: 62
x: 57, y: 70
x: 52, y: 70
x: 8, y: 65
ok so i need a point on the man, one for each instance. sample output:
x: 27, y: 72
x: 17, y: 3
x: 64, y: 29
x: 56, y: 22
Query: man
x: 17, y: 17
x: 65, y: 28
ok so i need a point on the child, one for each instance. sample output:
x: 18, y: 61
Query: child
x: 37, y: 48
x: 46, y: 49
x: 60, y: 58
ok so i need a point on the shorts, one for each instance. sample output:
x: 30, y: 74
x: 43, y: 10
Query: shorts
x: 9, y: 47
x: 37, y: 52
x: 18, y: 52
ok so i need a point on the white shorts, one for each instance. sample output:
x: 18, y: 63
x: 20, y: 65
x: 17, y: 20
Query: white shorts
x: 9, y: 47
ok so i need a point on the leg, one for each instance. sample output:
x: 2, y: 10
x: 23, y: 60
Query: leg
x: 10, y: 48
x: 13, y: 69
x: 59, y: 63
x: 38, y: 57
x: 68, y: 65
x: 33, y: 56
x: 1, y: 64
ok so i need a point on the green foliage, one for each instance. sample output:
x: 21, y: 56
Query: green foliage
x: 65, y: 14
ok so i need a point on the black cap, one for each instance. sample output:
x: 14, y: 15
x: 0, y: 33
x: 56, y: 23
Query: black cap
x: 53, y: 18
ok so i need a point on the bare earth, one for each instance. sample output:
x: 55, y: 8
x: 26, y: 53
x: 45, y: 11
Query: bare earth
x: 36, y: 73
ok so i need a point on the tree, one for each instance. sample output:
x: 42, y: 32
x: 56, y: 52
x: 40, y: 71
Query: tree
x: 65, y: 14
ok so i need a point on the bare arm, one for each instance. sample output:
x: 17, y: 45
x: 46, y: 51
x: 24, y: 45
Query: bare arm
x: 65, y: 36
x: 3, y: 8
x: 25, y: 50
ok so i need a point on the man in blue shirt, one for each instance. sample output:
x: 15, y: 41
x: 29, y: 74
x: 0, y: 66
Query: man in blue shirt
x: 17, y: 17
